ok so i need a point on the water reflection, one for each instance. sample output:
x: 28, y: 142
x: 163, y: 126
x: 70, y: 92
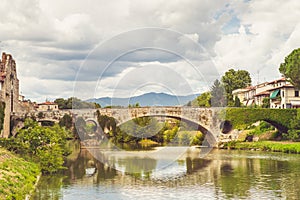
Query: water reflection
x: 221, y: 175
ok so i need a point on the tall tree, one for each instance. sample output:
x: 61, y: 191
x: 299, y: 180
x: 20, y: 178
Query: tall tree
x: 218, y: 98
x: 233, y: 80
x: 204, y: 99
x: 291, y: 67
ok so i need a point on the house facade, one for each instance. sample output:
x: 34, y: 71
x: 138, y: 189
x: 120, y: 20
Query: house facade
x: 284, y: 95
x: 47, y: 106
x: 280, y: 92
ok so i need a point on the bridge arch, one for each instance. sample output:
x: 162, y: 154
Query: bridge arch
x: 210, y: 136
x: 243, y: 117
x: 207, y: 119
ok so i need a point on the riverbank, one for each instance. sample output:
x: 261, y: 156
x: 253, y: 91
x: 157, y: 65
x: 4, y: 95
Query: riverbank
x: 282, y: 146
x: 17, y: 176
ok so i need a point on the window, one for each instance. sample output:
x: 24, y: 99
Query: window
x: 296, y: 93
x: 282, y: 94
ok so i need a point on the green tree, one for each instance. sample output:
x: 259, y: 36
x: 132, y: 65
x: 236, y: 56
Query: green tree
x: 169, y: 135
x: 204, y: 99
x: 294, y: 132
x: 198, y: 139
x: 291, y: 67
x: 45, y: 145
x: 75, y: 103
x: 97, y: 105
x: 218, y: 98
x: 66, y: 121
x: 233, y: 80
x: 266, y: 102
x: 237, y: 102
x: 61, y: 103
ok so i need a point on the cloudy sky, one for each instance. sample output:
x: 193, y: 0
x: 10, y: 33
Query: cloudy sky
x: 97, y: 48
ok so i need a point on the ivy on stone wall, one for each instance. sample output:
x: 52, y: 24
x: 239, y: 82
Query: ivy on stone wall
x: 240, y: 118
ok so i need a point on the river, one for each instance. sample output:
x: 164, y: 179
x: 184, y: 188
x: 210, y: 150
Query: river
x: 221, y: 174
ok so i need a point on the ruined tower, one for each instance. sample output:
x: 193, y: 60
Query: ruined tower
x: 9, y: 85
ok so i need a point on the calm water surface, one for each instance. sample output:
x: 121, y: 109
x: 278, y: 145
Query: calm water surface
x: 222, y: 174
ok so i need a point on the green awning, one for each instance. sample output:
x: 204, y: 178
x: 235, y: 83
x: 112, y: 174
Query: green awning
x: 274, y: 94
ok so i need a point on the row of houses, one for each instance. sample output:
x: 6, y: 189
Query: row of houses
x: 280, y: 92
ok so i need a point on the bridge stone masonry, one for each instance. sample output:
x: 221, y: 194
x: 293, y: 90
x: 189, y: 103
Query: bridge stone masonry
x: 207, y: 119
x: 210, y: 121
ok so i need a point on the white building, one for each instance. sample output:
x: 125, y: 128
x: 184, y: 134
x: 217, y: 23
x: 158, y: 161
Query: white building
x: 47, y: 106
x: 282, y: 94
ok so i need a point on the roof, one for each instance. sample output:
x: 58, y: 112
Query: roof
x: 241, y: 90
x: 47, y: 103
x: 262, y: 84
x: 250, y: 87
x: 283, y: 86
x: 278, y: 80
x: 263, y: 93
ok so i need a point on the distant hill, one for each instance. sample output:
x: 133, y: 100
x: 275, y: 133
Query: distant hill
x: 148, y: 99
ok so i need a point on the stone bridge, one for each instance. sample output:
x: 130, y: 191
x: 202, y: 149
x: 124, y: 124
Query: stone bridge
x: 205, y: 118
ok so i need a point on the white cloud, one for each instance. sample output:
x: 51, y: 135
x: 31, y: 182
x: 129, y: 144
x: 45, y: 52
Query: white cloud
x: 271, y: 26
x: 50, y: 40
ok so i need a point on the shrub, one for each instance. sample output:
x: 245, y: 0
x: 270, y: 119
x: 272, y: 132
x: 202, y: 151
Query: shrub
x: 45, y: 145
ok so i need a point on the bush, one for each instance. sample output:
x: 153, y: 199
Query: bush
x: 198, y: 139
x: 243, y: 117
x: 185, y: 138
x: 66, y: 121
x: 45, y: 145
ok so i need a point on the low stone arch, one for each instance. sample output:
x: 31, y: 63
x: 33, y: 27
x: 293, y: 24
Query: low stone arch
x: 279, y: 118
x: 16, y: 124
x: 94, y: 121
x: 211, y: 135
x: 279, y: 127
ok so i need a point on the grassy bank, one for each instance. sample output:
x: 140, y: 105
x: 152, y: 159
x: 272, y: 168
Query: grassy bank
x: 286, y: 147
x: 17, y: 176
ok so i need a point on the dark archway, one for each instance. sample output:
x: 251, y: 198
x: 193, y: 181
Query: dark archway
x: 226, y: 127
x: 47, y: 122
x: 279, y: 127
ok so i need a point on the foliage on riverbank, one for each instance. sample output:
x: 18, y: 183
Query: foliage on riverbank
x: 285, y: 147
x: 147, y: 142
x: 43, y: 145
x: 240, y: 118
x: 17, y: 176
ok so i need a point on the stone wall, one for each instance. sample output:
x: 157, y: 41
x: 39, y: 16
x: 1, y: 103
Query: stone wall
x: 9, y: 90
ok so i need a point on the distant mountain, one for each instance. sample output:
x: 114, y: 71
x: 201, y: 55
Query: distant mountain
x: 148, y: 99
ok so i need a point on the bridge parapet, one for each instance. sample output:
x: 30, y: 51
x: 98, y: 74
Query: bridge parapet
x: 45, y: 116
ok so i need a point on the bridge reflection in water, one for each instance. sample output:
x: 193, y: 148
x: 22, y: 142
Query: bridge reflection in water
x: 221, y: 174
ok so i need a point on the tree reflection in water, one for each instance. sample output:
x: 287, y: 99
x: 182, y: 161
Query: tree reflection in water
x: 227, y: 174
